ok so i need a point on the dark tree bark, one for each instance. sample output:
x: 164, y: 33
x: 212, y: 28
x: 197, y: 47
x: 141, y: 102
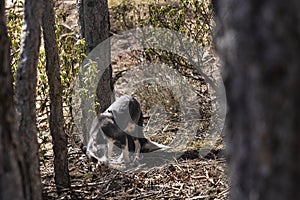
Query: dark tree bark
x: 26, y: 97
x: 93, y: 22
x: 95, y: 28
x: 62, y: 179
x: 11, y: 167
x: 259, y: 42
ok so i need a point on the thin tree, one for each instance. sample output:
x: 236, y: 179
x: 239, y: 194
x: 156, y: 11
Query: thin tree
x: 61, y: 171
x: 11, y: 159
x: 95, y: 28
x: 259, y: 42
x: 26, y: 96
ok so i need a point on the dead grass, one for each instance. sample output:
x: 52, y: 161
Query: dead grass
x: 116, y: 2
x: 182, y: 179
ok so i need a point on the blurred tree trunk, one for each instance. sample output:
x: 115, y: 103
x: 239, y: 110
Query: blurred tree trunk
x: 26, y: 96
x: 62, y: 178
x: 94, y: 28
x: 11, y: 159
x: 259, y: 43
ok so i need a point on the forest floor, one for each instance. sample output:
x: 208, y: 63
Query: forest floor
x: 189, y: 176
x: 192, y: 178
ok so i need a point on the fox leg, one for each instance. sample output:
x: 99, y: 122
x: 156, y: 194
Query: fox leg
x: 125, y: 151
x: 110, y: 146
x: 137, y: 149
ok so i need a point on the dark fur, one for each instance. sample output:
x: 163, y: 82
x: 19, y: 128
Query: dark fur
x: 121, y: 125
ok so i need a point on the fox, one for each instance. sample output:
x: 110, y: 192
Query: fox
x: 120, y: 125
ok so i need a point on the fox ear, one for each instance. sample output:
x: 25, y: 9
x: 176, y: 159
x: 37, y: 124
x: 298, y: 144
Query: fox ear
x: 150, y: 146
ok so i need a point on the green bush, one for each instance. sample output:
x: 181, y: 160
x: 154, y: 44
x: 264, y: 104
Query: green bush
x: 194, y: 18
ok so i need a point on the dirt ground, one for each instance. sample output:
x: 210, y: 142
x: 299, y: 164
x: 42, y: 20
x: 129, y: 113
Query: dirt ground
x: 189, y: 178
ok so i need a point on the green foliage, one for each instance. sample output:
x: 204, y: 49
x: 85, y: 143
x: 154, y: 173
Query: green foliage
x: 190, y: 17
x: 14, y: 27
x: 89, y: 74
x: 71, y: 53
x: 124, y: 16
x: 14, y: 16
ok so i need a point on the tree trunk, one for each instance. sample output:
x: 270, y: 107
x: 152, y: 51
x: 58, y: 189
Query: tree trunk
x: 62, y: 179
x: 259, y: 43
x: 11, y: 183
x: 26, y: 97
x: 94, y: 28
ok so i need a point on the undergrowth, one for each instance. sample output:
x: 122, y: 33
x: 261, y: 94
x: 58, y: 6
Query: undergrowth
x: 192, y: 18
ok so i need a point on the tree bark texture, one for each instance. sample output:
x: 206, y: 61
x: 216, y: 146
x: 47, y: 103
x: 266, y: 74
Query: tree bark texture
x: 11, y: 161
x: 95, y: 28
x: 259, y: 43
x: 26, y: 96
x: 59, y: 138
x: 93, y: 22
